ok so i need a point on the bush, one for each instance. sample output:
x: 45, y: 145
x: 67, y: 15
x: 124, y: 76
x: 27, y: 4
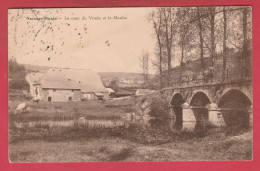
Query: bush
x: 15, y: 70
x: 17, y: 74
x: 21, y: 84
x: 159, y: 108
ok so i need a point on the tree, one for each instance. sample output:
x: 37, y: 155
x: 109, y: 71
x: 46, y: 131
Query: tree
x: 185, y: 33
x: 206, y: 33
x: 170, y: 28
x: 144, y: 63
x: 224, y: 43
x: 245, y: 44
x: 201, y: 37
x: 239, y: 36
x: 212, y: 11
x: 156, y: 18
x: 17, y: 74
x: 183, y: 18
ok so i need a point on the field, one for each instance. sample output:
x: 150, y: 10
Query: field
x: 82, y: 143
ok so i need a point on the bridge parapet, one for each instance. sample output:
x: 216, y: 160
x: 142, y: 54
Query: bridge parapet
x: 178, y: 85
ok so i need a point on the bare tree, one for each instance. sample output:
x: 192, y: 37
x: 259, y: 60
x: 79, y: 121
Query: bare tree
x: 224, y: 43
x: 185, y: 35
x: 170, y: 28
x: 144, y: 63
x: 244, y: 51
x: 156, y: 18
x: 184, y: 25
x: 212, y: 11
x: 207, y: 31
x: 201, y: 37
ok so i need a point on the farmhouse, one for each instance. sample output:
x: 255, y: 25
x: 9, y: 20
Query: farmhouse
x: 70, y: 85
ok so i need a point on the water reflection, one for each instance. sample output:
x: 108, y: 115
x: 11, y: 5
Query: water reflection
x: 70, y: 123
x: 169, y: 124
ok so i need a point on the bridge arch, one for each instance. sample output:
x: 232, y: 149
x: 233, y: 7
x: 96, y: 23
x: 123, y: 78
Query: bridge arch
x: 177, y: 99
x: 200, y: 98
x: 243, y: 90
x: 235, y: 107
x: 199, y: 104
x: 176, y: 102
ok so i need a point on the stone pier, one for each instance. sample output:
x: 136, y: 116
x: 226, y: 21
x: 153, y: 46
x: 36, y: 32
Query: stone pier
x: 187, y: 113
x: 215, y: 116
x: 172, y: 113
x: 250, y: 112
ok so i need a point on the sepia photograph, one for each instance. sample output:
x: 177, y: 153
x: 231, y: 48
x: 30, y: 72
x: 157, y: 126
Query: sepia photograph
x: 130, y: 84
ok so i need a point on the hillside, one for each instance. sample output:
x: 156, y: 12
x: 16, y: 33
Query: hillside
x: 121, y: 75
x: 193, y: 71
x: 107, y: 75
x: 35, y: 68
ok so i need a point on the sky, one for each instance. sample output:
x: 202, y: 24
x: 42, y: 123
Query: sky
x: 73, y: 40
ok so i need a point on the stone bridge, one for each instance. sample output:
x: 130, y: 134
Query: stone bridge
x: 219, y: 104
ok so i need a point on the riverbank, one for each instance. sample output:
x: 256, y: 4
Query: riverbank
x: 139, y: 140
x: 65, y: 111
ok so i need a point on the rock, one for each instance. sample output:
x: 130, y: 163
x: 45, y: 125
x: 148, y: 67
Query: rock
x: 80, y: 122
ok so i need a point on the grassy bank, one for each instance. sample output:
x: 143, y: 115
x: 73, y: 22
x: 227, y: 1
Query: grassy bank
x: 118, y: 149
x: 65, y: 111
x: 44, y: 143
x: 126, y: 144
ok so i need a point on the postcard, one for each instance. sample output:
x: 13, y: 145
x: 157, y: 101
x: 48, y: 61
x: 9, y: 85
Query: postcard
x: 130, y: 84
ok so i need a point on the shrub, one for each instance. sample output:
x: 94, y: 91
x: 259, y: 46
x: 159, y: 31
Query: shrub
x: 159, y: 108
x: 15, y: 70
x: 21, y: 84
x: 17, y: 74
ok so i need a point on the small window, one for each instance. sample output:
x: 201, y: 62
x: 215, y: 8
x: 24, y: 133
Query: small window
x: 70, y: 98
x: 54, y: 90
x: 49, y: 99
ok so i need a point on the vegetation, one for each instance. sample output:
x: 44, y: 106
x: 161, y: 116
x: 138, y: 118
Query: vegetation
x: 60, y: 111
x: 144, y: 64
x: 195, y: 33
x: 118, y: 149
x: 17, y: 74
x: 159, y: 108
x: 128, y: 142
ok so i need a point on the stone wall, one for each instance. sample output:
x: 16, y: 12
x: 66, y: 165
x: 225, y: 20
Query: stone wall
x: 60, y: 95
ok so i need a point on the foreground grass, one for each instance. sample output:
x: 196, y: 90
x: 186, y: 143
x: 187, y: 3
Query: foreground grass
x: 117, y: 149
x: 126, y: 144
